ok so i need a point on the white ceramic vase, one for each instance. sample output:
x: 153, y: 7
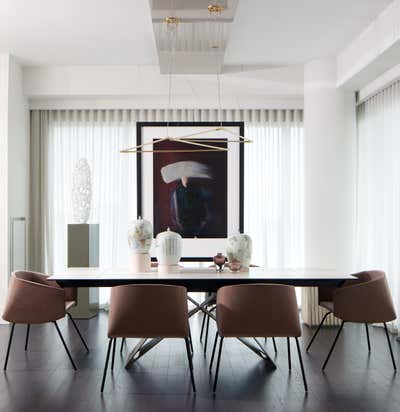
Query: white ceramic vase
x: 140, y: 236
x: 81, y: 191
x: 239, y: 249
x: 168, y: 248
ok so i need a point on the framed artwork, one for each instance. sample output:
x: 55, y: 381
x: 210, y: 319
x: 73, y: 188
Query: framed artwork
x: 196, y: 194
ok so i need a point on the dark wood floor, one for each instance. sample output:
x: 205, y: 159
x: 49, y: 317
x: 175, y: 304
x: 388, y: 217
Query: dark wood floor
x: 42, y: 379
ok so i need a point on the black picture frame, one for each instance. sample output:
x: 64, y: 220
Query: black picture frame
x: 139, y: 186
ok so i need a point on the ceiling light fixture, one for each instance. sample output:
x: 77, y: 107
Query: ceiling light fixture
x: 214, y: 9
x: 194, y: 142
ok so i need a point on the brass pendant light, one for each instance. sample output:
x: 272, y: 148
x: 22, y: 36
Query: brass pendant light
x: 195, y: 143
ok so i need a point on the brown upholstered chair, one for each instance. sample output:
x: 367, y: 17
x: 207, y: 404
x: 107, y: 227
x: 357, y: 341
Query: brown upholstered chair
x: 365, y: 300
x: 33, y: 299
x: 257, y: 310
x: 148, y: 311
x: 205, y: 325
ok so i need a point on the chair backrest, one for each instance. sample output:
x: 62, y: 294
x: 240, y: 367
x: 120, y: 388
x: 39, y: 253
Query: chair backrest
x: 258, y: 310
x: 33, y: 299
x: 367, y: 301
x: 71, y: 294
x: 368, y: 275
x: 148, y: 311
x: 325, y: 293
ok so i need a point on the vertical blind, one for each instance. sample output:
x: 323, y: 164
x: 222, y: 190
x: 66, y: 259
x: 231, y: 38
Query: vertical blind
x: 273, y: 179
x: 378, y: 186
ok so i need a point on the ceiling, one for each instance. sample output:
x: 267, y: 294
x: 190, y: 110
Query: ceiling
x: 120, y: 32
x: 78, y: 32
x: 293, y: 31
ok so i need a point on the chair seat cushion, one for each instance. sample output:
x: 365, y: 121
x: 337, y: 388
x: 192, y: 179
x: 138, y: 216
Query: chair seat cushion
x: 327, y: 305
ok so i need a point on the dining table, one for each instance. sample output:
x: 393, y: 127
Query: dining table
x: 199, y: 279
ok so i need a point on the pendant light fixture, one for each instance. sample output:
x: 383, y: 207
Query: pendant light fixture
x: 193, y: 141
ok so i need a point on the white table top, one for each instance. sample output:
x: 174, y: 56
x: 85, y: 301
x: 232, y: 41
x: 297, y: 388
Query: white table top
x: 200, y: 273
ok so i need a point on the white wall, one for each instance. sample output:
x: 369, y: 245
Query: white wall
x: 14, y: 159
x: 18, y: 141
x: 4, y: 252
x: 102, y: 87
x: 18, y: 164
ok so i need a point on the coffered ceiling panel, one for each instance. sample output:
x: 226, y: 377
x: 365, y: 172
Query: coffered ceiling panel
x: 197, y: 44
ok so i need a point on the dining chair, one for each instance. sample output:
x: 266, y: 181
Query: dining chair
x: 123, y: 340
x: 258, y: 310
x: 205, y: 324
x: 32, y: 299
x: 366, y: 300
x: 148, y: 311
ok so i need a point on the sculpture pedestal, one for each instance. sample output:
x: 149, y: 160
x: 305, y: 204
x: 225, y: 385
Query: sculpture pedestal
x: 83, y: 251
x: 140, y: 262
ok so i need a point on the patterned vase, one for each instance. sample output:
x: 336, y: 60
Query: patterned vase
x: 81, y: 191
x: 239, y: 249
x: 168, y: 248
x: 140, y: 236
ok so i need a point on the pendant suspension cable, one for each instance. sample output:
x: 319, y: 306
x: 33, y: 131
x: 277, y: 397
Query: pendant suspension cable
x: 215, y: 10
x: 172, y: 28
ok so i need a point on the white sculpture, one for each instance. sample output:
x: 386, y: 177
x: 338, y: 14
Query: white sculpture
x: 168, y: 250
x: 239, y: 249
x: 81, y: 191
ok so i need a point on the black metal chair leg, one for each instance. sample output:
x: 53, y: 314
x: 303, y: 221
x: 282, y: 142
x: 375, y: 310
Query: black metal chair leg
x: 202, y: 326
x: 213, y: 351
x: 9, y: 345
x: 218, y: 362
x: 206, y: 338
x: 316, y: 332
x: 333, y: 346
x: 113, y: 353
x: 289, y: 354
x: 301, y: 365
x: 28, y: 327
x: 390, y: 347
x: 275, y: 349
x: 106, y: 365
x: 191, y: 341
x: 65, y: 345
x: 368, y: 341
x: 189, y: 356
x: 122, y: 345
x: 78, y: 331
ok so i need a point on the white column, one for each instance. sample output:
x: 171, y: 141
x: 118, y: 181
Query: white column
x: 329, y: 126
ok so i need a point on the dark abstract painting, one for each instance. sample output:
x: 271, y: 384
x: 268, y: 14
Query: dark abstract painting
x: 190, y: 191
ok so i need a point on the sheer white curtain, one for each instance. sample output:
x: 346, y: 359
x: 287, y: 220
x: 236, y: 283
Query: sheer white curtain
x: 273, y: 179
x: 274, y: 190
x: 98, y: 137
x: 378, y: 192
